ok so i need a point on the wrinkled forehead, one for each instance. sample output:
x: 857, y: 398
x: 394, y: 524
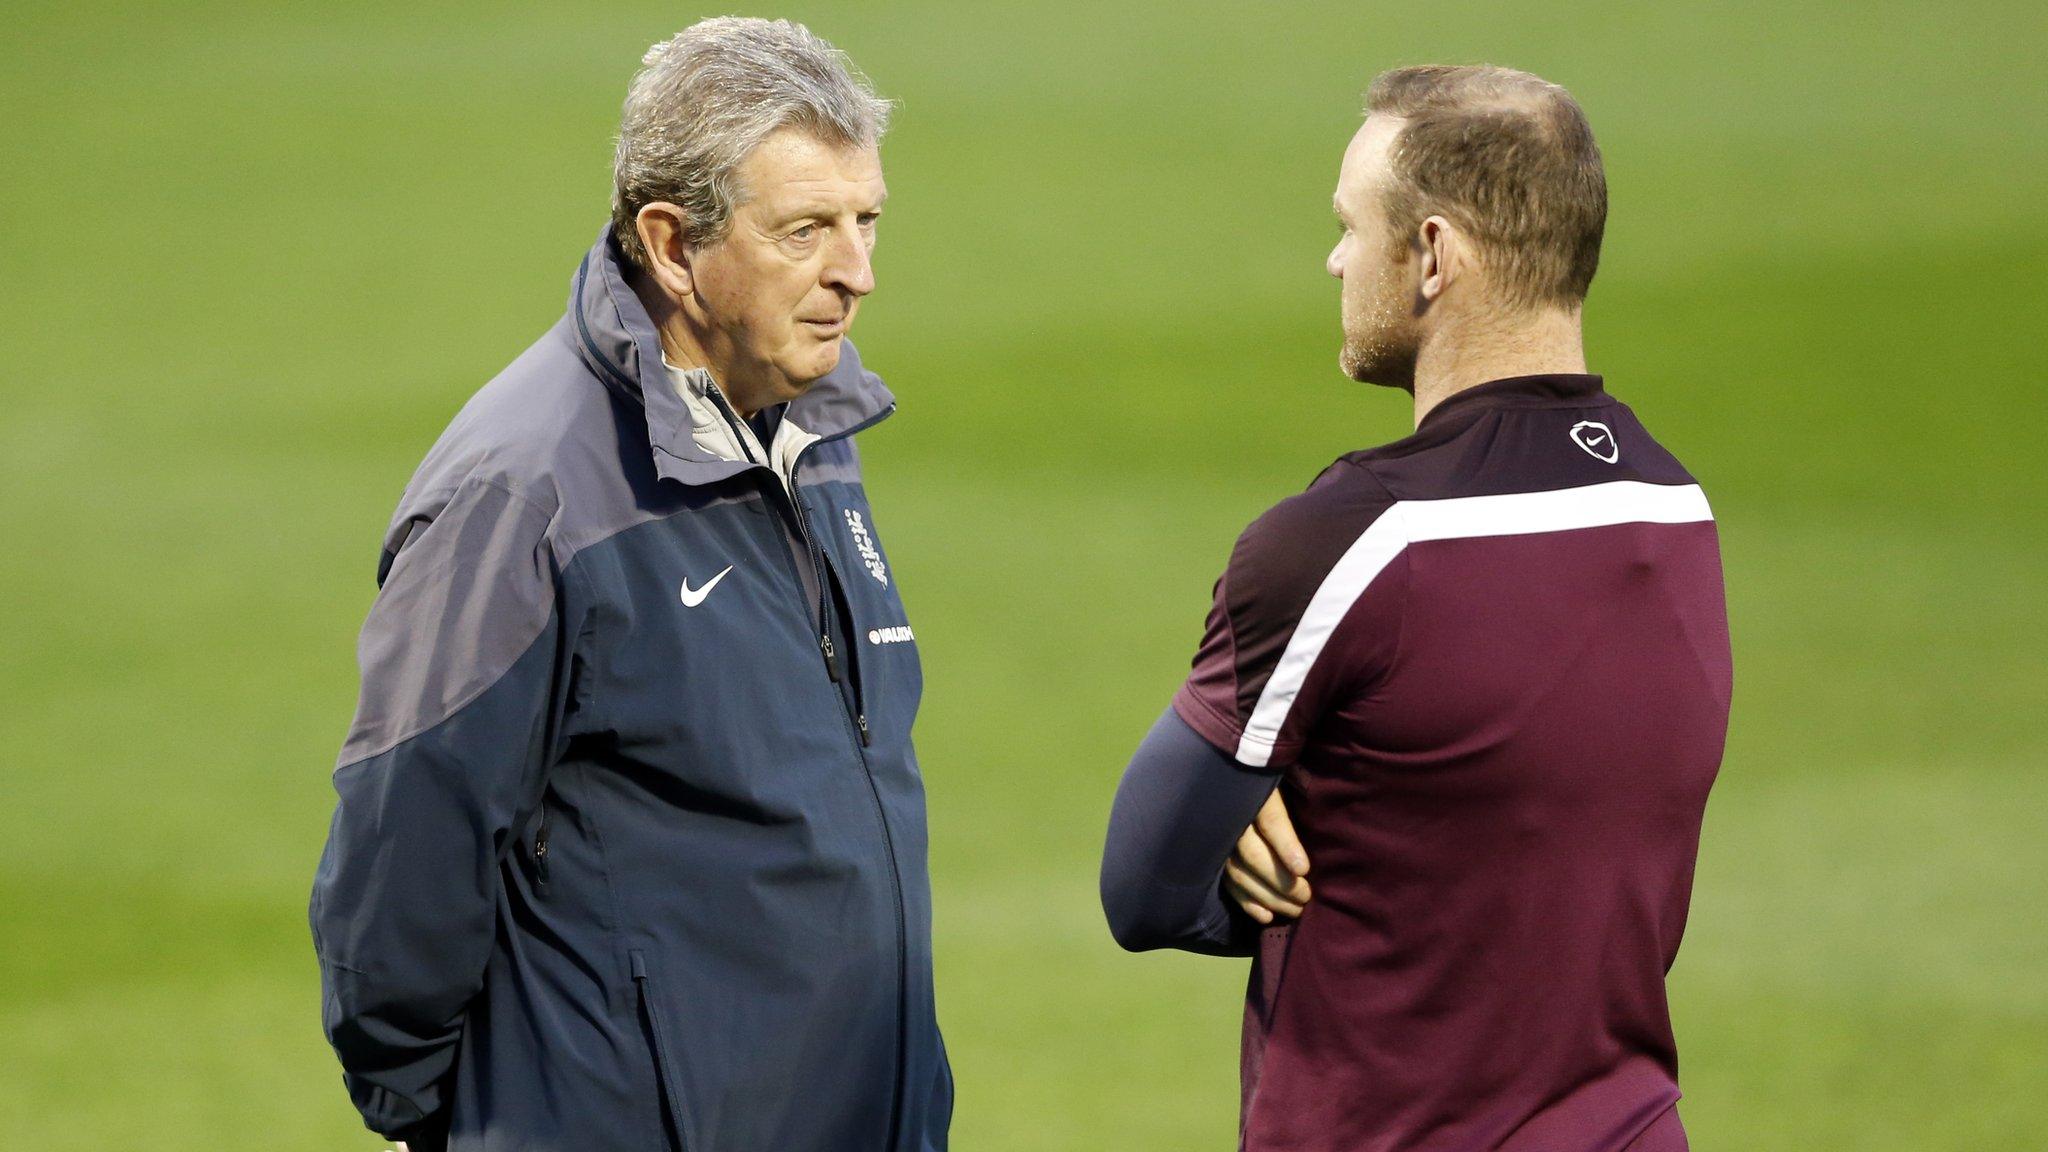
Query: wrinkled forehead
x: 796, y: 163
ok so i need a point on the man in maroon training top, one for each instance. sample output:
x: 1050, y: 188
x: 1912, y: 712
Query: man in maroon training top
x: 1485, y: 671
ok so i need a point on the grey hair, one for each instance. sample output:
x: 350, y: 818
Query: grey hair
x: 707, y: 97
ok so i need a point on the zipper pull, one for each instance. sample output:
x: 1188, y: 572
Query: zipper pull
x: 540, y: 851
x: 862, y: 722
x: 831, y: 657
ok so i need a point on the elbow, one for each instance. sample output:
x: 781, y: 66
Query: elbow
x: 1130, y: 931
x: 1134, y: 920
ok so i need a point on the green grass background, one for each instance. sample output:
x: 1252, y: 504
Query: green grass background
x: 255, y: 255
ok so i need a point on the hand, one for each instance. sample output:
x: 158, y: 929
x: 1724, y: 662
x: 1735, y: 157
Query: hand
x: 1268, y: 873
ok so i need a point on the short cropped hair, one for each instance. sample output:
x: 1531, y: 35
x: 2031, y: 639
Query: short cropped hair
x: 1508, y: 157
x: 707, y: 97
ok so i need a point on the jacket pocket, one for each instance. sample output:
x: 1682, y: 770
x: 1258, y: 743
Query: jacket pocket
x: 657, y: 1043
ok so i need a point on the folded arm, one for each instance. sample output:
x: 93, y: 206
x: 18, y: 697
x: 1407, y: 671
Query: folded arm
x: 1180, y: 812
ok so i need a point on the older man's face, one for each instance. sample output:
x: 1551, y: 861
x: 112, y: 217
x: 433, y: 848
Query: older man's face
x: 781, y: 289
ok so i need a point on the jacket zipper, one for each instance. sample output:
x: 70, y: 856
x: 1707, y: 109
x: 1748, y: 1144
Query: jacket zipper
x: 826, y: 647
x: 881, y: 814
x: 540, y: 847
x: 817, y: 555
x: 858, y: 730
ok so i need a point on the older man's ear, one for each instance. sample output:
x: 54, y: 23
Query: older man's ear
x: 669, y: 254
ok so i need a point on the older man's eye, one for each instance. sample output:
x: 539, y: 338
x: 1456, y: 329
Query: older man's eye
x: 804, y: 233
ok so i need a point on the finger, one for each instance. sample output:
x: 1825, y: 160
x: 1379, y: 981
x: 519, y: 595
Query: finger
x: 1253, y: 855
x: 1259, y: 891
x: 1278, y: 831
x: 1253, y: 848
x: 1253, y: 893
x: 1252, y: 908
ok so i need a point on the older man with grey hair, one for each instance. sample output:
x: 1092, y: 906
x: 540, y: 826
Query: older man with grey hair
x: 630, y: 847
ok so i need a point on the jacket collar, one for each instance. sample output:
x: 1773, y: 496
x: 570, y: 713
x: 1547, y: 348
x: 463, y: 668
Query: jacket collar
x: 1561, y: 388
x: 616, y: 338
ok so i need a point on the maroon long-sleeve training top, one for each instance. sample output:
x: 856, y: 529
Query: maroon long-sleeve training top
x: 1490, y: 663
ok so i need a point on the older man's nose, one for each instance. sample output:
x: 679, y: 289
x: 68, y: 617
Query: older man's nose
x: 850, y: 267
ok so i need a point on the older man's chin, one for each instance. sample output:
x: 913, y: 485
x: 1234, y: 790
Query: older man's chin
x: 820, y: 363
x: 799, y: 369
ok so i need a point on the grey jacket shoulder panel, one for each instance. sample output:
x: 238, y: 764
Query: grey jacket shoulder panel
x: 466, y: 591
x: 473, y: 555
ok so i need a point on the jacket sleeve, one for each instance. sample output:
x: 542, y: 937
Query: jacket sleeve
x: 451, y: 734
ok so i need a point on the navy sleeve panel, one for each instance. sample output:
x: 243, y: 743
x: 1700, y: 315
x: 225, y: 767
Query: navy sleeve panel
x: 1178, y: 813
x: 406, y: 895
x: 460, y: 669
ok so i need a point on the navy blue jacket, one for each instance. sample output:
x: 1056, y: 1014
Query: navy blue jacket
x: 630, y: 847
